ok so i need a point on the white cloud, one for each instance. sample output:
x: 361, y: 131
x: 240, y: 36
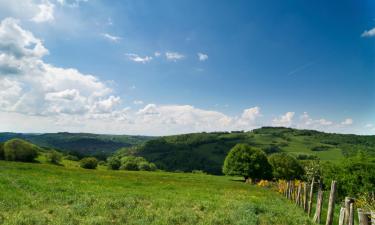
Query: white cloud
x: 45, y: 13
x: 111, y: 37
x: 157, y: 54
x: 138, y: 102
x: 369, y: 33
x: 347, y: 121
x: 136, y: 58
x: 308, y: 122
x: 31, y: 86
x: 202, y: 57
x: 174, y: 56
x: 284, y: 120
x: 369, y: 125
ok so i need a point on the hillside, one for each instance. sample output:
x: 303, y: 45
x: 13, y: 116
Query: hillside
x: 47, y: 194
x: 206, y: 151
x: 79, y: 143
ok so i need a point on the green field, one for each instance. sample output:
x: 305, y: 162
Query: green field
x: 39, y: 193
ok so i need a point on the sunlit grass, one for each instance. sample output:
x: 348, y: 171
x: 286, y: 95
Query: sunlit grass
x: 48, y: 194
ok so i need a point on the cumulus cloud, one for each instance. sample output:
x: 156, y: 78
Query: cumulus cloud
x: 31, y: 86
x: 136, y: 58
x: 174, y: 56
x: 347, y: 121
x: 369, y: 33
x: 284, y: 120
x: 111, y: 37
x: 45, y: 13
x: 202, y: 57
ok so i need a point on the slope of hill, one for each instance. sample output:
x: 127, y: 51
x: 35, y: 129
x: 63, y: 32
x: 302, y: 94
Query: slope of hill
x: 206, y: 151
x: 79, y: 143
x: 47, y: 194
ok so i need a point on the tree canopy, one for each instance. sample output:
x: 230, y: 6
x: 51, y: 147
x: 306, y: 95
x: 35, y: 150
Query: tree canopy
x: 285, y: 166
x: 248, y: 162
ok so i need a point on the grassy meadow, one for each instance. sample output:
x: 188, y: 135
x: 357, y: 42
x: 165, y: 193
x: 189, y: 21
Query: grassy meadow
x: 40, y: 193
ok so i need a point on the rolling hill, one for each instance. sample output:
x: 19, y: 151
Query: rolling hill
x: 79, y: 143
x: 206, y: 151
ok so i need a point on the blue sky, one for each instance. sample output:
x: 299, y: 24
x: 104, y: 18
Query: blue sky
x: 180, y: 66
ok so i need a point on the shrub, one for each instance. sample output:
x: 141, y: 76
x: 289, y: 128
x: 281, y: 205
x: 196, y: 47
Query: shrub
x: 248, y: 162
x: 54, y: 157
x: 89, y: 163
x: 271, y: 149
x: 72, y: 158
x: 320, y: 148
x: 353, y: 175
x: 20, y: 150
x: 136, y: 163
x: 113, y: 163
x: 285, y: 166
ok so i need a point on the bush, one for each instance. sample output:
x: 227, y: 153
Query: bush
x: 54, y: 157
x: 285, y: 166
x: 320, y: 148
x: 306, y: 157
x: 354, y: 175
x: 89, y: 163
x: 271, y: 149
x: 136, y: 163
x: 72, y: 158
x: 113, y: 163
x: 248, y: 162
x: 20, y: 150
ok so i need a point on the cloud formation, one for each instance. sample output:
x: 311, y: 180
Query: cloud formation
x: 202, y: 57
x: 284, y: 120
x: 31, y: 86
x: 138, y: 59
x: 174, y: 56
x: 45, y: 14
x: 369, y: 33
x: 111, y: 37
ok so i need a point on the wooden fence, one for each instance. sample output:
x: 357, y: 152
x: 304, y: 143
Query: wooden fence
x: 302, y: 194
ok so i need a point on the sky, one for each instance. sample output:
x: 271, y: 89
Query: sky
x: 169, y: 67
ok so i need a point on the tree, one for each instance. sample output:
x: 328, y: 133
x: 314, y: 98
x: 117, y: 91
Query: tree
x: 285, y: 166
x: 248, y: 162
x: 89, y: 163
x: 114, y: 163
x: 54, y: 157
x: 20, y: 150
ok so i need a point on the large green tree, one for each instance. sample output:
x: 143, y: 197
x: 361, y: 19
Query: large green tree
x: 20, y: 150
x: 285, y: 166
x: 248, y: 162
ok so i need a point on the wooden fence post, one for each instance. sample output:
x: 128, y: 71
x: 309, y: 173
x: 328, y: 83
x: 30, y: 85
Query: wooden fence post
x: 363, y: 217
x: 331, y: 203
x: 287, y: 190
x: 319, y: 204
x: 305, y: 196
x: 298, y: 198
x: 372, y: 217
x: 347, y: 202
x: 342, y: 216
x: 310, y: 197
x: 351, y: 214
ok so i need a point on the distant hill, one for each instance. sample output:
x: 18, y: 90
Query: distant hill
x: 206, y: 151
x: 79, y: 143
